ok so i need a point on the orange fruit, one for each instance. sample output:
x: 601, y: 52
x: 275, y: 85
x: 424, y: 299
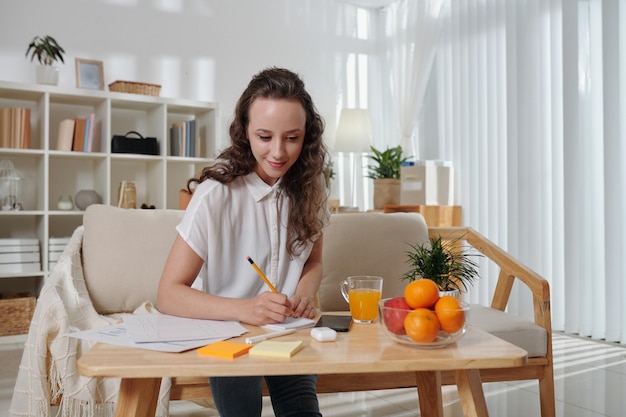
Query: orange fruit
x: 422, y: 325
x: 421, y: 293
x: 451, y: 317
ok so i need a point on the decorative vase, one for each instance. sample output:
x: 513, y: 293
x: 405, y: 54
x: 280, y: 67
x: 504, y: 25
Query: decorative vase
x: 85, y: 198
x: 47, y: 74
x: 65, y: 202
x: 386, y: 192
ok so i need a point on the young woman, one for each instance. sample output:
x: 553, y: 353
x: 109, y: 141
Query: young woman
x: 264, y: 198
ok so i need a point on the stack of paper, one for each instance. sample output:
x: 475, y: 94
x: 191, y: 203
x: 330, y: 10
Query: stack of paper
x: 163, y: 332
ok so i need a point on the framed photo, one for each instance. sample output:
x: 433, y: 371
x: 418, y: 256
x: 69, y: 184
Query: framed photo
x: 89, y: 74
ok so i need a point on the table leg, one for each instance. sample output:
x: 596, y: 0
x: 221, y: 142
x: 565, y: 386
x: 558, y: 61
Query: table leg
x: 138, y: 397
x: 471, y: 393
x: 429, y: 393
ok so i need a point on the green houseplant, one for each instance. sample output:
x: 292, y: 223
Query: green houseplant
x: 386, y: 175
x: 444, y: 262
x: 47, y: 51
x: 388, y: 163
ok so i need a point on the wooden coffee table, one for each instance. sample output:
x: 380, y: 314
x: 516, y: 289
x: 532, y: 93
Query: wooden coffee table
x: 364, y: 349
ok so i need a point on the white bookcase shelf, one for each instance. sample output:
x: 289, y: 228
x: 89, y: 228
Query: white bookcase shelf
x: 49, y: 173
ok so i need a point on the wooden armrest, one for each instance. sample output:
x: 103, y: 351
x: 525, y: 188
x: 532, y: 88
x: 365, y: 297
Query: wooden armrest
x: 510, y: 269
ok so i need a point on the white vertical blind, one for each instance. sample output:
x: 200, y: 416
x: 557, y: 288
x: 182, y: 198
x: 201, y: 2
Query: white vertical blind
x: 530, y: 98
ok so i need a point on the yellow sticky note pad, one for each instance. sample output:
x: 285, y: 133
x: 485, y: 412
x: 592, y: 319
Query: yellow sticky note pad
x: 225, y: 349
x: 276, y: 349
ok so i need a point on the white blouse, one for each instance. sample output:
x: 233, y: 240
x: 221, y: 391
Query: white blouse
x: 226, y: 223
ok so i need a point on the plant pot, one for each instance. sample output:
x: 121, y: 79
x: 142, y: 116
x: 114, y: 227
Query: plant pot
x: 47, y: 74
x: 453, y: 293
x: 386, y: 192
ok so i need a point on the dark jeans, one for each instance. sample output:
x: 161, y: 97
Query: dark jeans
x: 292, y: 396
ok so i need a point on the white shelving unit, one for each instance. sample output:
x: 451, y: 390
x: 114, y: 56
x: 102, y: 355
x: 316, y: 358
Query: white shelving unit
x: 49, y: 174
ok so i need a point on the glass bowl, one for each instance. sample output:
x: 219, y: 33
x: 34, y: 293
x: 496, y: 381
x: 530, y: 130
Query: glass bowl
x: 392, y: 320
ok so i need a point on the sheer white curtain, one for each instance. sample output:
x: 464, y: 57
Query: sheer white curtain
x: 411, y: 32
x: 530, y: 98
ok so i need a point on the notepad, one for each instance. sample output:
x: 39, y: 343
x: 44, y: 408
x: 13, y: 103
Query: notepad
x: 276, y: 349
x: 291, y: 323
x: 224, y: 349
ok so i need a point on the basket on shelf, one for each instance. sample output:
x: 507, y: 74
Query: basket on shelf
x: 16, y: 312
x: 135, y: 88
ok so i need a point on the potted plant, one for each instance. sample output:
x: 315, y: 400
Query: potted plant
x: 47, y: 51
x: 386, y: 175
x: 444, y: 262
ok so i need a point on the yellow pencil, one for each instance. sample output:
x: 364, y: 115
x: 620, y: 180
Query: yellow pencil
x: 267, y: 281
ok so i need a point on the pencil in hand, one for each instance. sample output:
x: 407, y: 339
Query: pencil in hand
x: 267, y: 281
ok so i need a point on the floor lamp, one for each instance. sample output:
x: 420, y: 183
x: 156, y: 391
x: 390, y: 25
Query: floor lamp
x: 354, y: 135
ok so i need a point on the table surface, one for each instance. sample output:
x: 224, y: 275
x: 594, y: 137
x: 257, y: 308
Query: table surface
x: 365, y: 348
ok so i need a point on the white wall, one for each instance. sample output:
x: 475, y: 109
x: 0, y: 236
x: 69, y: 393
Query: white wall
x: 197, y: 49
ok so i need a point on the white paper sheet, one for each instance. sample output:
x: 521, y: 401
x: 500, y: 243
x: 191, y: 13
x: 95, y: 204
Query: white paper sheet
x: 116, y: 334
x: 143, y: 328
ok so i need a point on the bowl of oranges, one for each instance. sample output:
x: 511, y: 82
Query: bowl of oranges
x: 422, y: 317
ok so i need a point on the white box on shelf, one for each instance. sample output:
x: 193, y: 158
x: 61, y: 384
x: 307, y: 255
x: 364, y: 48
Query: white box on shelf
x: 413, y: 184
x: 19, y: 257
x: 56, y: 247
x: 19, y: 248
x: 439, y: 183
x: 59, y: 240
x: 18, y: 242
x: 20, y: 267
x: 54, y: 256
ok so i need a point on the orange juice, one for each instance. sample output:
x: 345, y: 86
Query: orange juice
x: 363, y: 303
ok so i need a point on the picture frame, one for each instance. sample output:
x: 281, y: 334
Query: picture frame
x: 89, y: 74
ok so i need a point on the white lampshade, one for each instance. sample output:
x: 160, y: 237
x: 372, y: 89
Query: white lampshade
x: 354, y: 132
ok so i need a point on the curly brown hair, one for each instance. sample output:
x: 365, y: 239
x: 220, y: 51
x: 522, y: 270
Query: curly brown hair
x: 303, y: 182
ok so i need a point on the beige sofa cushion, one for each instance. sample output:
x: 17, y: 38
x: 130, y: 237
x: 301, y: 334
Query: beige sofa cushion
x: 516, y: 330
x: 368, y: 244
x: 124, y: 252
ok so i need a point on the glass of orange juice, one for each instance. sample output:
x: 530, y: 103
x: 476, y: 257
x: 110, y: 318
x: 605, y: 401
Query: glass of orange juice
x: 362, y: 293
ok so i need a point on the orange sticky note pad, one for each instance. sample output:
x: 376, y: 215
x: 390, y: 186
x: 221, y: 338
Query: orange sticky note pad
x: 225, y: 349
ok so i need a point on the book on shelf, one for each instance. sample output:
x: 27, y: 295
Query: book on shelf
x: 184, y: 139
x: 176, y: 138
x: 65, y: 137
x: 79, y: 134
x: 191, y: 138
x: 89, y: 129
x: 86, y: 135
x: 15, y: 130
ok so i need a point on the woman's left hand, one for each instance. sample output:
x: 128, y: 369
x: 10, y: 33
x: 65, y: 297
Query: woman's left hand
x: 303, y: 306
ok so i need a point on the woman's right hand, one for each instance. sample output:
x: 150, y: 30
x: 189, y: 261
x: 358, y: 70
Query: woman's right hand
x: 265, y: 308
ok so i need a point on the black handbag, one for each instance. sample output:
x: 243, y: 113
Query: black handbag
x: 141, y: 145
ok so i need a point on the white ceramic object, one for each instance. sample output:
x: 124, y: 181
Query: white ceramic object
x: 47, y: 74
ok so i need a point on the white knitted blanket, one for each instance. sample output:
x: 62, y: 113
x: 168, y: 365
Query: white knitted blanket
x: 47, y: 372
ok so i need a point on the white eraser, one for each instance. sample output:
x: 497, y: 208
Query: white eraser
x: 323, y: 334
